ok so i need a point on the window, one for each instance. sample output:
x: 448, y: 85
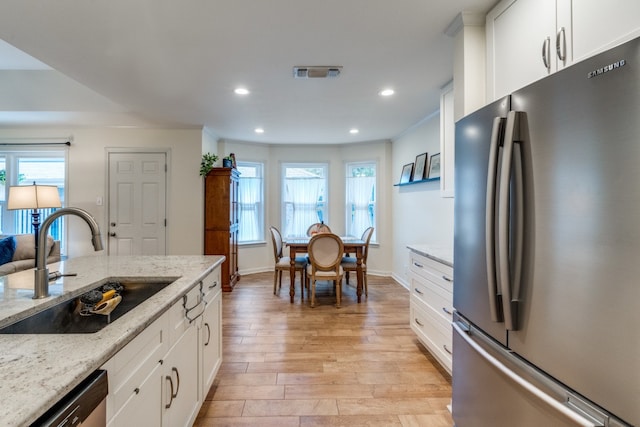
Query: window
x: 360, y: 198
x: 23, y: 168
x: 304, y: 197
x: 250, y: 202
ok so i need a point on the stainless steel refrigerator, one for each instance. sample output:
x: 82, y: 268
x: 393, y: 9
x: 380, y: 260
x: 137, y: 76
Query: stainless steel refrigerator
x: 547, y: 251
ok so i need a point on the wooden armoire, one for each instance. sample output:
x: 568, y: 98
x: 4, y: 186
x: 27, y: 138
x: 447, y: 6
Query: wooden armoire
x: 221, y: 221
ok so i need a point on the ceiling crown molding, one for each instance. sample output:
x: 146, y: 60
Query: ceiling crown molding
x: 465, y: 19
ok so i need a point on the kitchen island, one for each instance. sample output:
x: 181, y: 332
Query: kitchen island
x: 36, y: 370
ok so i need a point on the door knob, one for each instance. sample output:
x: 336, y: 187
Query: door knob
x: 112, y: 234
x: 113, y: 224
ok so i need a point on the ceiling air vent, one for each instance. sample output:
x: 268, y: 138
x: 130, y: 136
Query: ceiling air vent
x: 316, y: 72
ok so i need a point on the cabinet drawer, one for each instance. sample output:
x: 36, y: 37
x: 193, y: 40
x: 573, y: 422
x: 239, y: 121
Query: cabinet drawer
x: 429, y: 294
x: 129, y: 368
x: 436, y: 337
x: 184, y: 312
x: 434, y: 271
x: 211, y: 285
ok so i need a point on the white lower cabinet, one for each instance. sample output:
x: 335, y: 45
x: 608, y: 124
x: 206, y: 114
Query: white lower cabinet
x: 210, y: 337
x: 431, y: 305
x: 162, y: 376
x: 180, y: 395
x: 141, y: 409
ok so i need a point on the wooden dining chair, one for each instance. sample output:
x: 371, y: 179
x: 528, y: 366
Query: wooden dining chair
x: 350, y: 263
x: 283, y: 263
x: 325, y: 254
x: 318, y: 227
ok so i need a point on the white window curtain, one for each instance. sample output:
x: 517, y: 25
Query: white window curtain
x: 301, y: 204
x: 360, y: 199
x: 249, y: 200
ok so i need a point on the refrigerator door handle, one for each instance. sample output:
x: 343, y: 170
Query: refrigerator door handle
x: 540, y: 394
x: 510, y: 222
x: 490, y: 219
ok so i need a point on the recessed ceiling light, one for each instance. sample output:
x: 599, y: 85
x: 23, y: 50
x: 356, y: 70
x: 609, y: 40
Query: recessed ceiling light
x: 353, y: 131
x: 259, y: 130
x: 241, y: 91
x: 386, y: 92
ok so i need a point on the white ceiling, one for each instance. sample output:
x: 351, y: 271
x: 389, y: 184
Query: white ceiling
x: 155, y: 63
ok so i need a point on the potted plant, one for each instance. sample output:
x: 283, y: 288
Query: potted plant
x: 208, y: 160
x: 227, y: 162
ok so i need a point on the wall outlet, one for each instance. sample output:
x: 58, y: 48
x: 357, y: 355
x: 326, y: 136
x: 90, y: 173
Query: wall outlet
x: 99, y: 201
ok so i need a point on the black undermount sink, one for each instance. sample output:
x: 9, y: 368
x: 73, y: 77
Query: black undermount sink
x: 65, y: 317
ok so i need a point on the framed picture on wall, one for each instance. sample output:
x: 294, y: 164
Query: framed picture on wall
x: 434, y: 166
x: 420, y: 167
x: 407, y: 170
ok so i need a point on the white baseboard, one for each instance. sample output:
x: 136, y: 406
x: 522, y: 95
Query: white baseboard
x: 401, y: 281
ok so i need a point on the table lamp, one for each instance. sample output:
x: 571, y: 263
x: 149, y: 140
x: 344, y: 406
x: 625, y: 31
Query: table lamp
x: 33, y: 197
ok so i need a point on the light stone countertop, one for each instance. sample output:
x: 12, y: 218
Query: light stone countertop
x: 437, y: 253
x: 38, y: 370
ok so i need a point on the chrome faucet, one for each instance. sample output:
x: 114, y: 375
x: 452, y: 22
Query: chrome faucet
x: 41, y: 286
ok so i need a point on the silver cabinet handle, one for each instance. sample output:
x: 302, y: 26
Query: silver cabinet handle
x: 417, y: 265
x: 561, y: 45
x: 447, y: 349
x: 447, y: 279
x: 447, y: 311
x: 546, y: 52
x: 418, y: 322
x: 418, y: 291
x: 208, y: 334
x: 168, y: 378
x: 213, y: 285
x: 174, y: 369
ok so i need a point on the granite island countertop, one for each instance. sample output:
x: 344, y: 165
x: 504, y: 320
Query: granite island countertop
x: 37, y: 370
x: 436, y: 253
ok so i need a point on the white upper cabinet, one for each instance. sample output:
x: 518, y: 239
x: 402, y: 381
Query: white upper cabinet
x: 530, y: 39
x: 516, y: 31
x: 599, y: 25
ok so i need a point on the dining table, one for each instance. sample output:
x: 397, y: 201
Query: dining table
x: 352, y: 246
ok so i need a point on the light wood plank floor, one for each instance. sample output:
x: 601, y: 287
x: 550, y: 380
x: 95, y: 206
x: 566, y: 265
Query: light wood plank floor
x: 292, y: 365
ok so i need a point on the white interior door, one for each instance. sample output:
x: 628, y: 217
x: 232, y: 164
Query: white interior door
x: 137, y: 203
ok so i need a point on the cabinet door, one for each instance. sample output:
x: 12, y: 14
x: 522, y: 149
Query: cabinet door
x: 516, y: 33
x: 597, y: 26
x: 180, y: 402
x: 185, y: 313
x: 211, y: 342
x: 143, y: 406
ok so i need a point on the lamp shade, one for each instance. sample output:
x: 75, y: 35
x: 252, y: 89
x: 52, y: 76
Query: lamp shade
x: 33, y: 197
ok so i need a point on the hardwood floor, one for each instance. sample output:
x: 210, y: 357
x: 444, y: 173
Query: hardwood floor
x: 292, y: 365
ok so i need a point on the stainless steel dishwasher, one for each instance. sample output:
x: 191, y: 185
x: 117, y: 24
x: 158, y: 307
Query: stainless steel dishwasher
x: 83, y: 406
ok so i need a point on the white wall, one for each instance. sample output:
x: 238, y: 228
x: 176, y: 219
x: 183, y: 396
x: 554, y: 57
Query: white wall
x: 259, y: 257
x: 87, y: 180
x: 420, y: 214
x: 409, y: 214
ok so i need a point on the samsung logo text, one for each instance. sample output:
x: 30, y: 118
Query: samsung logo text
x: 606, y: 68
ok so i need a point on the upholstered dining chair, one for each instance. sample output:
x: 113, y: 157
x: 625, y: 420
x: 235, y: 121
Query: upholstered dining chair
x: 350, y: 263
x: 318, y: 227
x: 325, y: 254
x: 283, y: 263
